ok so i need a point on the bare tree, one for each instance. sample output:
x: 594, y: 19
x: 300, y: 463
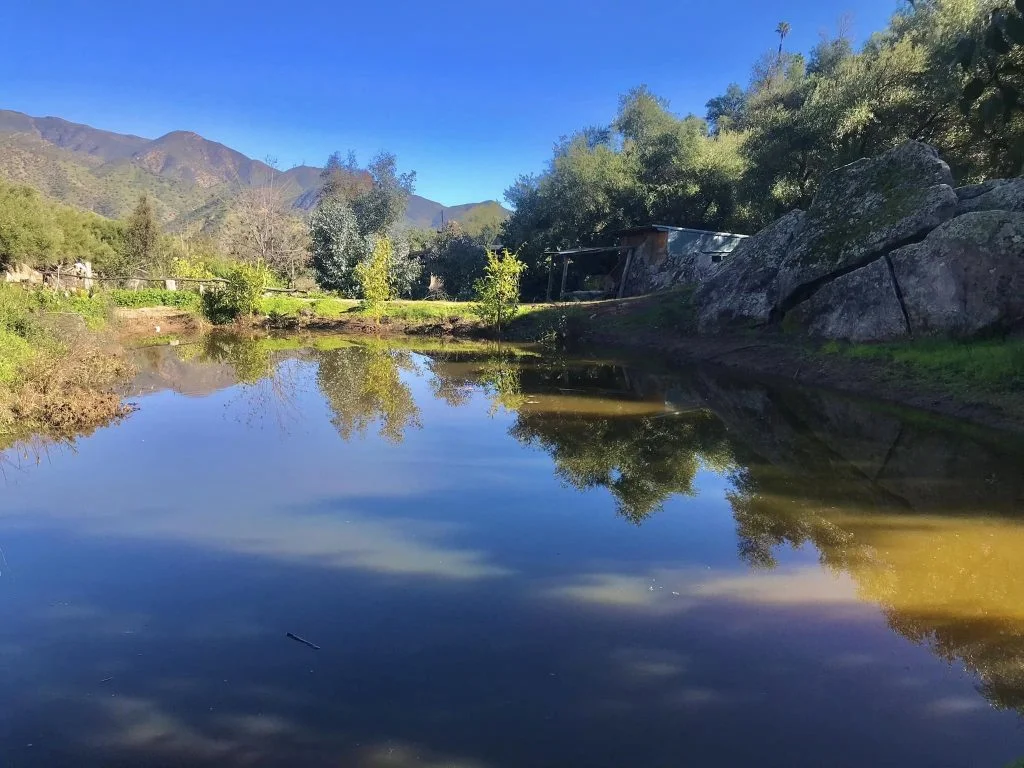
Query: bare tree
x: 261, y: 226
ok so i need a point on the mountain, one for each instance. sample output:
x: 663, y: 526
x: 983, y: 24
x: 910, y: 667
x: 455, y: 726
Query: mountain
x: 190, y: 179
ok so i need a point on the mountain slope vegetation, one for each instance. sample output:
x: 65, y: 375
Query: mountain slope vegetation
x: 187, y: 177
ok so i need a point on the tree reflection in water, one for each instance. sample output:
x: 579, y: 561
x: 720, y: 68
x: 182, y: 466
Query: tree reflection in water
x: 363, y: 386
x: 925, y: 520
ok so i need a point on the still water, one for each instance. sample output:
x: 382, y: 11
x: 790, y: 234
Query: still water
x: 506, y: 559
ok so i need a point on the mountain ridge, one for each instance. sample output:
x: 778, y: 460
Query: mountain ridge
x: 182, y: 171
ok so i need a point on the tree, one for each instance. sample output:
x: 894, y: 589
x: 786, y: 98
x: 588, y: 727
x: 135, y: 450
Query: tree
x: 483, y: 223
x: 782, y: 31
x: 374, y: 277
x: 725, y: 112
x: 260, y: 227
x: 497, y: 292
x: 355, y: 208
x: 343, y: 179
x: 336, y: 246
x: 141, y: 238
x: 457, y: 260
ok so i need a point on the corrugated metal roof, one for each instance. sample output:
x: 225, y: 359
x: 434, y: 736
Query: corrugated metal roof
x: 588, y: 251
x: 667, y: 228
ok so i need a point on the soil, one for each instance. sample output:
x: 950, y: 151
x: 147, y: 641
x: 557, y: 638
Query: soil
x: 156, y: 321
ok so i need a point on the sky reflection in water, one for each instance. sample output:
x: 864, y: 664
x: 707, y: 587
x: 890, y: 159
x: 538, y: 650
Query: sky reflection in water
x: 508, y: 560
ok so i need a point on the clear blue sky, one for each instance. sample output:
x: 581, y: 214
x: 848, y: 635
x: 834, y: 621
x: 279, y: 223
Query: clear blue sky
x: 468, y: 94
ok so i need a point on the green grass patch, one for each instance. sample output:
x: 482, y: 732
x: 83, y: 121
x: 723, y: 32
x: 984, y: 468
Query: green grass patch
x: 292, y: 306
x: 21, y: 309
x: 155, y: 297
x: 15, y: 353
x: 995, y: 365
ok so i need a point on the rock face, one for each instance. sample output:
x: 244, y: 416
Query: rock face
x: 887, y: 249
x: 862, y: 305
x: 997, y: 195
x: 744, y: 292
x: 863, y: 211
x: 966, y: 278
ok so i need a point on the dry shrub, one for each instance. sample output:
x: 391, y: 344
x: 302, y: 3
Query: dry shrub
x: 68, y: 389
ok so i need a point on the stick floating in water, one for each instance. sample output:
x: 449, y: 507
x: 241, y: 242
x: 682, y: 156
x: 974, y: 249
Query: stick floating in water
x: 298, y: 639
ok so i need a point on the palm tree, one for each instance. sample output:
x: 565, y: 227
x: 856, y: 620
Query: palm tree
x: 783, y: 32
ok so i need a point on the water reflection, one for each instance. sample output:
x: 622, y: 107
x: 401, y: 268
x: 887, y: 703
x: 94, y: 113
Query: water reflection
x: 711, y: 549
x: 925, y: 521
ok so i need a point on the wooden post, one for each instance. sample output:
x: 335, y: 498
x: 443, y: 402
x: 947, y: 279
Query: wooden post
x: 625, y: 272
x: 551, y: 277
x: 565, y: 275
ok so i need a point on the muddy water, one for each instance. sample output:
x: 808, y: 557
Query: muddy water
x: 506, y: 559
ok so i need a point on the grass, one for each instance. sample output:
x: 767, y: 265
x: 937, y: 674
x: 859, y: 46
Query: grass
x: 409, y: 311
x: 995, y: 365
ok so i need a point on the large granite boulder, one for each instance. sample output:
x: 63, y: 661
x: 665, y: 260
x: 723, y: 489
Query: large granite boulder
x: 861, y: 212
x: 966, y: 278
x: 864, y: 210
x: 995, y: 195
x: 744, y: 292
x: 863, y: 305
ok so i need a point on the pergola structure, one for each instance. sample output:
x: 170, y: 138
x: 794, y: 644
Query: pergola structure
x: 569, y: 254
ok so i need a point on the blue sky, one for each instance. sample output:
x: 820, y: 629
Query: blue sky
x: 467, y: 94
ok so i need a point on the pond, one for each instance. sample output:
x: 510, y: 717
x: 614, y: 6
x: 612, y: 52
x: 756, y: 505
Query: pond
x: 506, y: 558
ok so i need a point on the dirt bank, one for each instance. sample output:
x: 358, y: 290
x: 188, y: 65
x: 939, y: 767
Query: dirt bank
x: 156, y: 321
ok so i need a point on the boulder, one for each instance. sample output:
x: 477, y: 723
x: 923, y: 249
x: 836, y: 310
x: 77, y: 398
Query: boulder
x: 862, y: 211
x: 744, y: 292
x: 966, y: 278
x: 997, y: 195
x: 862, y: 305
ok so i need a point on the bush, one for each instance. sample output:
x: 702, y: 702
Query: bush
x: 497, y: 292
x: 374, y: 278
x: 240, y: 297
x: 156, y: 297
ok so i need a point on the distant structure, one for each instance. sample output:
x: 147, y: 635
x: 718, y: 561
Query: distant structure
x: 646, y: 259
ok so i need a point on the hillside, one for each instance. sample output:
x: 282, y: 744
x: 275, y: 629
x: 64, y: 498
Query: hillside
x: 187, y: 176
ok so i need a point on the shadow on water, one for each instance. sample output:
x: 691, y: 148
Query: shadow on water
x: 923, y: 518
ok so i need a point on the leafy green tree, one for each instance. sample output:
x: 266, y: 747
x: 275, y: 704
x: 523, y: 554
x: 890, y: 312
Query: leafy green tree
x: 141, y: 238
x: 726, y: 112
x: 356, y: 207
x: 336, y: 246
x: 374, y: 277
x: 457, y: 259
x: 483, y: 223
x: 381, y: 207
x: 497, y: 292
x: 27, y: 232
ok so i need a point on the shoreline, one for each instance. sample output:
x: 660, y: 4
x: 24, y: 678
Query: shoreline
x: 626, y: 327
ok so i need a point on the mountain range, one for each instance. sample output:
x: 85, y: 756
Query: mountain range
x: 189, y: 178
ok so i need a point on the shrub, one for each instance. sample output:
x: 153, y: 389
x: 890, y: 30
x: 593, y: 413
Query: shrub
x: 497, y: 292
x: 373, y: 276
x: 156, y: 297
x: 240, y: 297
